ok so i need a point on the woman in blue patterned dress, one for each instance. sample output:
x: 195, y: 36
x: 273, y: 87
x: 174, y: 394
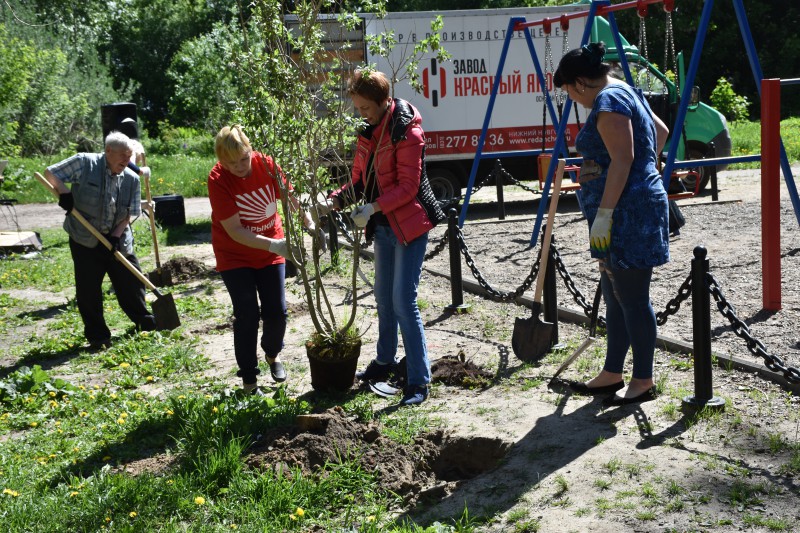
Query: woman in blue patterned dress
x: 626, y: 206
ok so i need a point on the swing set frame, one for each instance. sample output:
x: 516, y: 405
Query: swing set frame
x: 560, y: 150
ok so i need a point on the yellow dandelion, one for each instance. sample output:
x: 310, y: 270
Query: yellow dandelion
x: 293, y: 517
x: 199, y: 500
x: 53, y: 403
x: 120, y: 421
x: 371, y: 518
x: 52, y: 394
x: 83, y: 414
x: 170, y: 482
x: 73, y: 494
x: 58, y: 422
x: 34, y: 424
x: 81, y: 387
x: 96, y: 386
x: 10, y: 492
x: 150, y: 378
x: 214, y: 410
x: 181, y: 397
x: 113, y: 396
x: 123, y: 415
x: 234, y: 526
x: 106, y: 458
x: 124, y: 365
x: 170, y: 412
x: 132, y: 514
x: 299, y: 511
x: 108, y: 519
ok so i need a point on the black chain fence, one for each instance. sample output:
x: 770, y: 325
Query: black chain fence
x: 756, y: 347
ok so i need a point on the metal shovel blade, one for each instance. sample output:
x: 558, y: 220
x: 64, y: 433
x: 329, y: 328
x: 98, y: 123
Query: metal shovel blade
x: 165, y: 312
x: 532, y: 337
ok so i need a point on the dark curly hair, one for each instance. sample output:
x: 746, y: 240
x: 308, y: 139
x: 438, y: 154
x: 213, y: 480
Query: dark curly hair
x: 583, y: 62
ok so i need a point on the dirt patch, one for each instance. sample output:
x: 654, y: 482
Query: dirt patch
x: 178, y: 270
x: 457, y: 371
x: 431, y: 466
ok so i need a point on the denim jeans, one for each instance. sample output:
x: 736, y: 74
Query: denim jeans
x: 630, y: 319
x: 398, y: 268
x: 248, y: 286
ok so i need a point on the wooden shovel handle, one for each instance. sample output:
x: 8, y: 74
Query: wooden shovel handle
x: 99, y: 236
x: 150, y: 208
x: 548, y: 232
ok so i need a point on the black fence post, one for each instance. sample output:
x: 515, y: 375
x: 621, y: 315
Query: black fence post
x: 701, y: 333
x: 550, y: 294
x: 714, y: 187
x: 456, y: 283
x: 333, y: 239
x: 497, y: 171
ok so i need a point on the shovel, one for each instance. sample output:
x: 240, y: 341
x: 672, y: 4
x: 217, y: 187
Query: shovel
x: 532, y: 337
x: 164, y: 310
x: 159, y: 277
x: 588, y: 342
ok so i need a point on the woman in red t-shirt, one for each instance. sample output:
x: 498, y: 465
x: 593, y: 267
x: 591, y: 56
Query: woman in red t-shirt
x: 249, y: 245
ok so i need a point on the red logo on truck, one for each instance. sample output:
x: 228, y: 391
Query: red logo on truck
x: 429, y: 75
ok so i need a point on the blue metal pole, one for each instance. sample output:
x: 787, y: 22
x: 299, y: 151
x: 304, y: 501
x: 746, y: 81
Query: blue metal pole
x: 687, y: 90
x: 755, y: 66
x: 479, y: 149
x: 559, y: 147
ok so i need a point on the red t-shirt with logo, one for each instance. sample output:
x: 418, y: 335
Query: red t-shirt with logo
x: 255, y: 198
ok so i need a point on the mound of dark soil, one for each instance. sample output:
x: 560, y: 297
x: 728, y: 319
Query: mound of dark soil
x: 179, y: 270
x: 457, y: 371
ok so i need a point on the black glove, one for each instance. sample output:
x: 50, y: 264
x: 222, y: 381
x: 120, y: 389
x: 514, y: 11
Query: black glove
x: 114, y: 241
x: 66, y: 201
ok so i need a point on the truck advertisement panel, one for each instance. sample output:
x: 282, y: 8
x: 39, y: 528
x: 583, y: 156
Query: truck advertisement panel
x: 456, y: 92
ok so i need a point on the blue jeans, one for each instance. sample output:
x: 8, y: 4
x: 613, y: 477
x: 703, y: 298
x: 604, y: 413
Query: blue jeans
x: 248, y: 286
x: 630, y: 319
x: 398, y: 269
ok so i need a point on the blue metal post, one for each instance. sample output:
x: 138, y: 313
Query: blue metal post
x: 479, y: 149
x: 755, y: 66
x: 559, y: 147
x: 702, y: 28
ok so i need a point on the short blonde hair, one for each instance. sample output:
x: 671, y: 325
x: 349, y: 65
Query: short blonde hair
x: 231, y: 143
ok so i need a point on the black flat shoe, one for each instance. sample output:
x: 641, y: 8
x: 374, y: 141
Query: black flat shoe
x: 579, y: 387
x: 646, y: 396
x: 277, y: 371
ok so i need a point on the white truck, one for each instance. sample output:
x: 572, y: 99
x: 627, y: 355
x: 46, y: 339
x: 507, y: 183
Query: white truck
x: 456, y: 92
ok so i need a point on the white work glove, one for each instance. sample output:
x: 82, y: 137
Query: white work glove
x: 145, y: 172
x: 279, y: 247
x: 361, y: 214
x: 600, y: 234
x: 308, y: 222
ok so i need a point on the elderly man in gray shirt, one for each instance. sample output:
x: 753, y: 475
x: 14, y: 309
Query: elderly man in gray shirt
x: 108, y: 195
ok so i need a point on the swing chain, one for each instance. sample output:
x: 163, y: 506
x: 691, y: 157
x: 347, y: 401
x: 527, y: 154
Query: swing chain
x: 669, y: 47
x: 643, y: 49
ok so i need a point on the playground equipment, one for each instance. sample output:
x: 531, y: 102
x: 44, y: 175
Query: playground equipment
x: 604, y: 8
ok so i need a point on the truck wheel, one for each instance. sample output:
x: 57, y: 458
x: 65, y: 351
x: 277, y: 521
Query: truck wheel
x: 445, y: 185
x: 697, y: 150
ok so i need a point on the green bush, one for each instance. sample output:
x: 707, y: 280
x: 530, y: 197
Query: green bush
x: 177, y: 140
x: 727, y: 102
